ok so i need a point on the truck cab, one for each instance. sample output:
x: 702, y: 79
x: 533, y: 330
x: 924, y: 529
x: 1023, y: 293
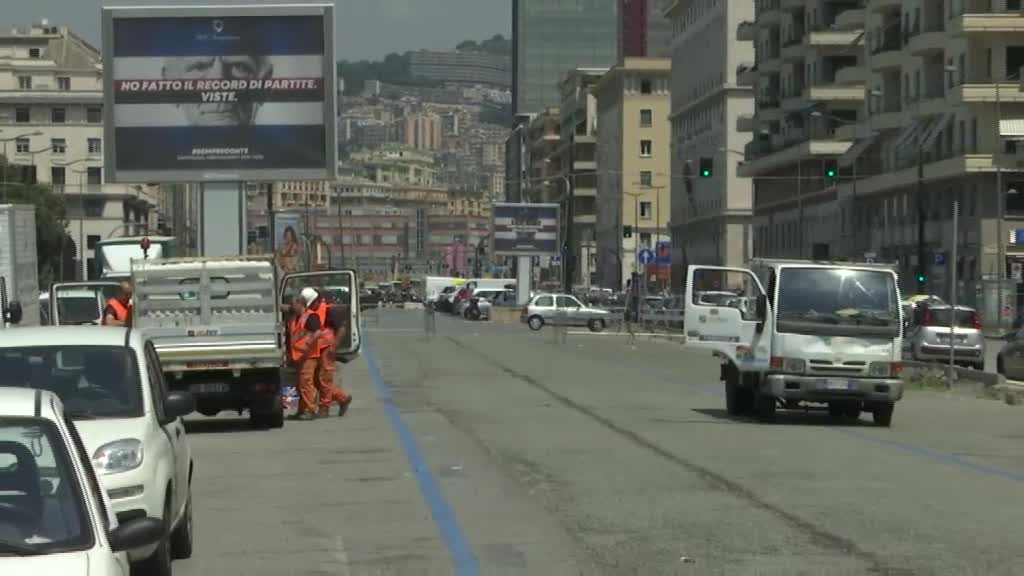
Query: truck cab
x: 797, y: 334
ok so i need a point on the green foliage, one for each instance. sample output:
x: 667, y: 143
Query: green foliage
x: 51, y: 225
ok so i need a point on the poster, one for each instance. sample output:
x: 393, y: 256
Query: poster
x: 219, y: 93
x: 526, y: 229
x: 287, y: 241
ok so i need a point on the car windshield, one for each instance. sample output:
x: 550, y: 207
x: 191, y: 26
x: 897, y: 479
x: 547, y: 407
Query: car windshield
x: 91, y: 381
x: 83, y: 309
x: 838, y: 296
x: 965, y: 317
x: 41, y: 506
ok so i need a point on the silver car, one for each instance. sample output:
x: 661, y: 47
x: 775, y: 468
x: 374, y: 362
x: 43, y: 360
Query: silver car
x: 928, y: 335
x: 563, y: 310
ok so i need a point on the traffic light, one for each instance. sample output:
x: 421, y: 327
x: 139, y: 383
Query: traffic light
x: 831, y: 171
x: 922, y: 281
x: 627, y: 231
x: 707, y: 166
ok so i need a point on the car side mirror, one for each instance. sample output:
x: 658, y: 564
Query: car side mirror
x: 137, y: 533
x: 178, y: 404
x: 13, y: 313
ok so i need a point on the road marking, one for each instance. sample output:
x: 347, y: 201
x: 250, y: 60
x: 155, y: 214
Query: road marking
x: 588, y: 333
x: 939, y: 456
x: 463, y: 559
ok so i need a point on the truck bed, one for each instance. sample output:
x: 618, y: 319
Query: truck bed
x: 209, y: 313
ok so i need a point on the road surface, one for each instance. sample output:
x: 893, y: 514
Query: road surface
x: 489, y: 449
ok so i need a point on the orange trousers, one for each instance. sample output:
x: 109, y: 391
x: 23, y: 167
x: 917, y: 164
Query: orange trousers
x: 307, y: 385
x: 326, y: 368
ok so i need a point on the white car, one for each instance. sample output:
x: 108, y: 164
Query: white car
x: 111, y: 384
x: 54, y: 517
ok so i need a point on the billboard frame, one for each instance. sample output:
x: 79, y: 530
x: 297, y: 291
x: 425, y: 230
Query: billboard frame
x: 330, y: 72
x: 515, y: 253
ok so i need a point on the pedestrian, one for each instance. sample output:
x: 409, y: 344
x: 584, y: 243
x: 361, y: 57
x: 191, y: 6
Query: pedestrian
x: 118, y: 311
x: 331, y: 332
x: 304, y: 333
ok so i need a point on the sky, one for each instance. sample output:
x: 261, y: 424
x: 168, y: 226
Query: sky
x: 365, y: 29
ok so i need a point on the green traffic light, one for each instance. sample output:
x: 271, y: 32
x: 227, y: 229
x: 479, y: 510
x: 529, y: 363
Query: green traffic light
x: 706, y: 173
x: 921, y: 279
x: 831, y: 173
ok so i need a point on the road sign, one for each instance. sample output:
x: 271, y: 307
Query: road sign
x: 870, y: 257
x: 556, y: 260
x: 646, y: 256
x: 940, y: 259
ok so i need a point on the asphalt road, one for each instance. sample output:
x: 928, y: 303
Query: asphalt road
x: 488, y: 449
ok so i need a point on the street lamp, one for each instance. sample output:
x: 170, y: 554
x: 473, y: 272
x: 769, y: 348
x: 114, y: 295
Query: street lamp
x: 3, y: 177
x: 81, y: 214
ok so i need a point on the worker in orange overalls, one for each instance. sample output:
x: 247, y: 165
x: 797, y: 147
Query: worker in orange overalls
x: 118, y: 311
x: 327, y: 363
x: 304, y: 335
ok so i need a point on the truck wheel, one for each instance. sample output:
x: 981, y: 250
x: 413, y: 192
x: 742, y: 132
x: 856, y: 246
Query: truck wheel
x: 596, y: 325
x: 852, y: 410
x: 883, y: 414
x: 275, y: 419
x: 208, y: 412
x: 535, y: 323
x: 764, y: 406
x: 733, y: 404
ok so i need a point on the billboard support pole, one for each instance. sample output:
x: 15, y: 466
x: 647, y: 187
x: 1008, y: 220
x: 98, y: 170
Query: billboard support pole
x: 222, y: 227
x: 524, y: 274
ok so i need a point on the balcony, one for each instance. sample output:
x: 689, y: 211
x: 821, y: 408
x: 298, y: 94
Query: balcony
x: 746, y: 32
x: 763, y: 160
x: 1008, y: 92
x: 835, y: 38
x: 887, y: 120
x: 836, y: 93
x: 791, y: 4
x: 888, y: 56
x: 1008, y: 22
x: 768, y: 13
x: 851, y: 75
x: 881, y: 6
x: 746, y: 74
x: 793, y: 49
x: 928, y: 42
x: 851, y: 19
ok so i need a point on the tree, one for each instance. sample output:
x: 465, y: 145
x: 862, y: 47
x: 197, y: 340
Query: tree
x: 52, y: 240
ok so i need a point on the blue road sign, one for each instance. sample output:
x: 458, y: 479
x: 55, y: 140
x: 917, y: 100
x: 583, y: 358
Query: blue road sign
x: 646, y: 256
x: 940, y: 259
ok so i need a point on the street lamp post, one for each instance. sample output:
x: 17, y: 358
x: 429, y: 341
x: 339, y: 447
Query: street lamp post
x: 81, y: 215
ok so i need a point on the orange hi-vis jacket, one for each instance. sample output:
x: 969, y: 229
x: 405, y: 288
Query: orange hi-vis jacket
x: 123, y: 313
x: 328, y: 339
x: 301, y: 340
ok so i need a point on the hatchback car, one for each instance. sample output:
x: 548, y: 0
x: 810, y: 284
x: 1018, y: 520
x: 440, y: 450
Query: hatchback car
x: 563, y: 310
x: 931, y: 327
x: 54, y: 517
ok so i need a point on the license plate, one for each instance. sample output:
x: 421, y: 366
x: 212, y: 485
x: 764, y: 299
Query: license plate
x: 832, y: 384
x: 209, y: 388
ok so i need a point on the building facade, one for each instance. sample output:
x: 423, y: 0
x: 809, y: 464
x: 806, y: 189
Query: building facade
x: 462, y: 67
x: 711, y: 117
x: 634, y: 203
x: 882, y: 118
x: 552, y: 37
x: 643, y: 31
x: 420, y: 131
x: 51, y: 115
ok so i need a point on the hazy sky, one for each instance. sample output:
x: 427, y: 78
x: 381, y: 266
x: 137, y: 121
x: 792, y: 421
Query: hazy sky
x: 366, y: 29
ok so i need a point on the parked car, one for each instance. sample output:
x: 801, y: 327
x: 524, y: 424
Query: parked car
x: 563, y: 310
x: 928, y: 335
x: 486, y: 298
x: 1010, y: 360
x: 111, y: 384
x: 54, y: 517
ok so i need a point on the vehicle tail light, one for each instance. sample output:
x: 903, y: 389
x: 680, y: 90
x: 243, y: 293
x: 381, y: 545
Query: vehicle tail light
x: 929, y: 317
x: 792, y: 365
x: 885, y: 369
x: 976, y: 320
x: 896, y: 369
x: 261, y: 387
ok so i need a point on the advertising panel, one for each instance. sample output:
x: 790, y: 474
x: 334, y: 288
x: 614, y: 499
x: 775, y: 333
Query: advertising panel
x: 288, y: 248
x: 240, y: 93
x: 526, y: 230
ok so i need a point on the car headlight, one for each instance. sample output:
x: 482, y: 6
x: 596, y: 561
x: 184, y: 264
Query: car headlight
x: 790, y: 365
x: 118, y: 456
x: 885, y: 369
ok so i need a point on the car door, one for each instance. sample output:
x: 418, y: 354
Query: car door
x: 741, y: 332
x: 172, y: 428
x: 570, y: 310
x: 343, y: 286
x: 72, y: 292
x: 544, y: 306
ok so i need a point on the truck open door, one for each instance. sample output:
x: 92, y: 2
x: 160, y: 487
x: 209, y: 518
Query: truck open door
x: 727, y: 312
x: 80, y: 303
x: 340, y: 288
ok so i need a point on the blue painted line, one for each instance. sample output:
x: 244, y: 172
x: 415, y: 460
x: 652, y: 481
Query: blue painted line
x: 464, y: 560
x: 940, y: 457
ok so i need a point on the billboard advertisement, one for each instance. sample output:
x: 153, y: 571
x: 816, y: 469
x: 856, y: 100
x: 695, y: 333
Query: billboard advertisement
x: 526, y: 230
x: 288, y: 248
x: 240, y: 93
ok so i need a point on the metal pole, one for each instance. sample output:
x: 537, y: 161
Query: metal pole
x: 1001, y: 212
x: 81, y: 227
x: 952, y: 289
x: 3, y: 169
x: 921, y: 257
x: 341, y: 227
x: 800, y: 203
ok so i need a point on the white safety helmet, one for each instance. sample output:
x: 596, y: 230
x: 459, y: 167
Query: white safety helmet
x: 308, y: 295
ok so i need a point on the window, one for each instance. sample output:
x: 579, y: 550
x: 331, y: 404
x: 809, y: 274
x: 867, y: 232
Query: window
x: 24, y: 82
x: 645, y: 239
x: 645, y: 148
x: 646, y: 118
x: 21, y: 115
x: 645, y: 210
x: 33, y: 53
x: 544, y: 302
x: 94, y: 175
x: 157, y: 384
x: 21, y: 145
x: 95, y: 146
x: 58, y: 145
x: 58, y: 115
x: 63, y: 83
x: 91, y: 240
x: 645, y: 178
x: 93, y: 115
x: 568, y: 302
x: 645, y: 87
x: 57, y: 177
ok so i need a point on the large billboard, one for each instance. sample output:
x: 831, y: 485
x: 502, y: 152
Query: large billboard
x: 526, y: 230
x: 219, y: 93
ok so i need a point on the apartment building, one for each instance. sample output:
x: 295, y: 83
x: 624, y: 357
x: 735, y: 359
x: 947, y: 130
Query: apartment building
x: 634, y: 163
x: 577, y: 150
x: 544, y: 180
x: 465, y: 67
x: 904, y: 108
x: 712, y: 110
x: 51, y: 117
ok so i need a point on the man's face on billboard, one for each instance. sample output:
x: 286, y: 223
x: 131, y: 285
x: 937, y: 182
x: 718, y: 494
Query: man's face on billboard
x: 218, y: 68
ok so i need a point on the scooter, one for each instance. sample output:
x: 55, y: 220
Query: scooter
x: 472, y: 311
